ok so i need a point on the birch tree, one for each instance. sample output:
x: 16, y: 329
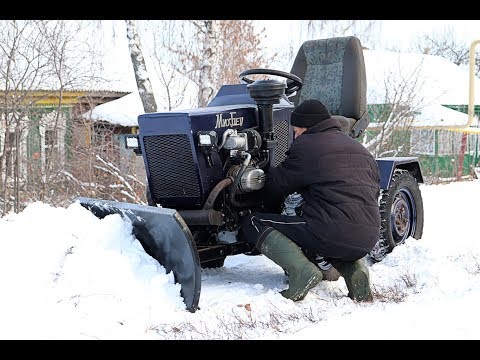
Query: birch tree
x: 141, y: 75
x: 209, y: 51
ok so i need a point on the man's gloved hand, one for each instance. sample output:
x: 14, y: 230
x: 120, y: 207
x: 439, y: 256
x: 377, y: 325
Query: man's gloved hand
x: 292, y: 205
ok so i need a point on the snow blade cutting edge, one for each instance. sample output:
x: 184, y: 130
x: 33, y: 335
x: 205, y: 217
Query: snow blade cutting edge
x: 165, y: 236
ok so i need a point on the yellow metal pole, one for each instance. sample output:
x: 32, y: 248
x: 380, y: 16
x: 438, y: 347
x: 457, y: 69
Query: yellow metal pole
x: 471, y: 108
x: 471, y: 90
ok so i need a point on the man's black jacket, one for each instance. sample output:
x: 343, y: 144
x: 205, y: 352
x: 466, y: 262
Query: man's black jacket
x: 339, y: 181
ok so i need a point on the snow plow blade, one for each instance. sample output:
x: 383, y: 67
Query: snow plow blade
x: 165, y: 236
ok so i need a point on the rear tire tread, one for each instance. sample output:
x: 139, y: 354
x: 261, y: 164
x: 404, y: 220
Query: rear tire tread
x: 401, y: 180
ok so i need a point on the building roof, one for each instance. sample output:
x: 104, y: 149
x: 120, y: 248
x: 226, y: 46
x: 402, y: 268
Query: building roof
x: 428, y: 81
x: 123, y: 112
x: 44, y: 97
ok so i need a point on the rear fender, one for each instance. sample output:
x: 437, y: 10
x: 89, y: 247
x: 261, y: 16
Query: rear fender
x: 387, y: 166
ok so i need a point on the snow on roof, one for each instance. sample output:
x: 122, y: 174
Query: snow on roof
x: 428, y: 81
x: 438, y: 115
x: 434, y: 78
x: 123, y: 111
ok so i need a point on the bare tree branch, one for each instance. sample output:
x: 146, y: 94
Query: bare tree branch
x: 447, y: 44
x: 208, y: 60
x: 396, y: 111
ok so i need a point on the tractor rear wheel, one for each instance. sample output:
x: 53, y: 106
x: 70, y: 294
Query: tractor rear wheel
x: 401, y: 212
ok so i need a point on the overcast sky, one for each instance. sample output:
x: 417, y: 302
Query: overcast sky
x: 386, y: 34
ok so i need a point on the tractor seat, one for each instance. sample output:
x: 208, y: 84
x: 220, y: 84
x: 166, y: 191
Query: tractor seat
x: 333, y: 72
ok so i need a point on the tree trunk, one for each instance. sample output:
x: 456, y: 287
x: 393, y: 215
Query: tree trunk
x: 205, y: 89
x: 143, y: 82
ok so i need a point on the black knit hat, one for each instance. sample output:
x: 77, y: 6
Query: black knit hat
x: 309, y: 113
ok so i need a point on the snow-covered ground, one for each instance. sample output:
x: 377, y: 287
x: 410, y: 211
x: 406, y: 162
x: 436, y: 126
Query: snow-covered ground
x: 65, y: 274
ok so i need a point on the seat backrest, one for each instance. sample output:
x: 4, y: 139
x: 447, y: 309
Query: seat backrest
x: 333, y: 72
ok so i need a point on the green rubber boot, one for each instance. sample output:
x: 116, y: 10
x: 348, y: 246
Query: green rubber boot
x: 357, y: 279
x: 302, y: 274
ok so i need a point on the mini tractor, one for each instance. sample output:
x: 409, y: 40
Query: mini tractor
x: 205, y: 165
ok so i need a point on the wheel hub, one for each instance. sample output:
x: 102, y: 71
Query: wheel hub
x: 400, y: 218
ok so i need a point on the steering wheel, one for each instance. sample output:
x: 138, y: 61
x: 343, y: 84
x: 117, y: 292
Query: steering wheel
x: 294, y: 83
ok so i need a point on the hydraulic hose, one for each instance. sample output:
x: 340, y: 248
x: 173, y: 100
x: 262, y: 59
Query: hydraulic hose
x: 202, y: 217
x: 207, y: 216
x: 216, y: 190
